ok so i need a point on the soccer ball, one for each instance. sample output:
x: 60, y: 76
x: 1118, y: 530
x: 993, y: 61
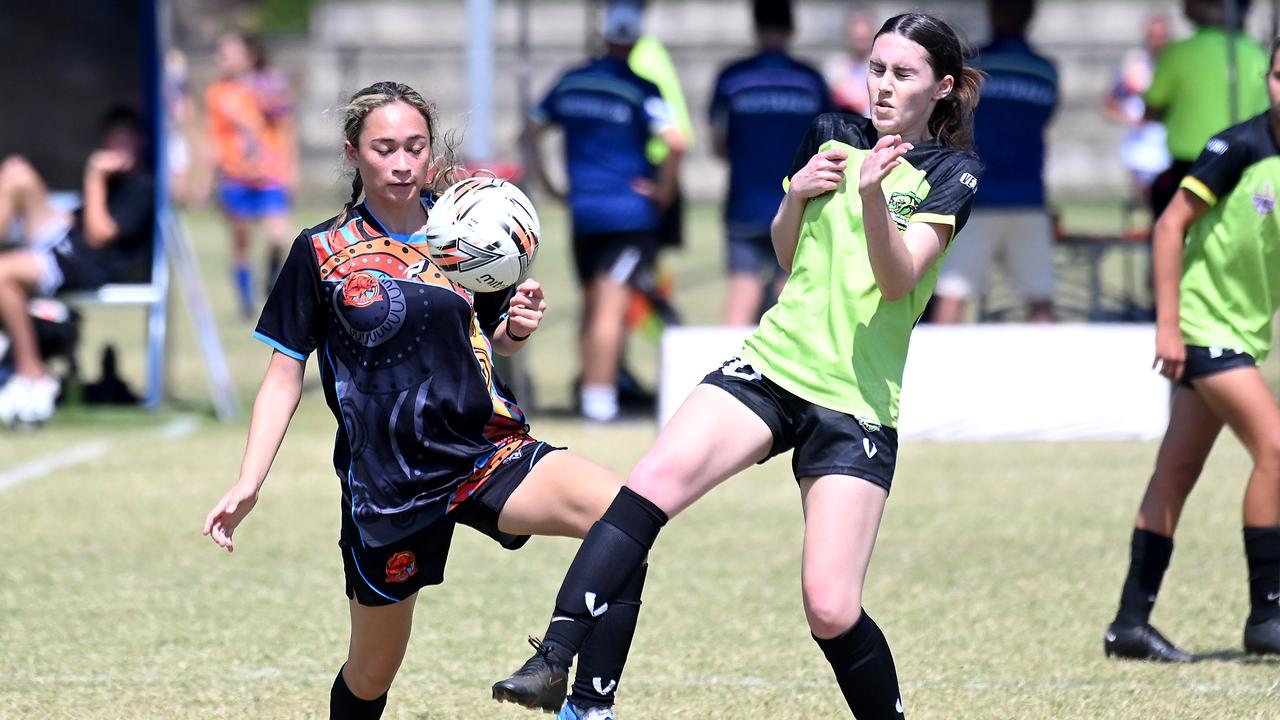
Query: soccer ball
x: 483, y: 234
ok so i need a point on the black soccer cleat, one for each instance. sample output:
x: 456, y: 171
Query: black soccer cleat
x: 1142, y: 642
x: 1262, y: 638
x: 539, y: 683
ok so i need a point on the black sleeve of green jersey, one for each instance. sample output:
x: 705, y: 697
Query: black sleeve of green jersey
x: 852, y: 130
x: 292, y: 321
x: 1219, y: 167
x: 491, y: 308
x: 952, y: 185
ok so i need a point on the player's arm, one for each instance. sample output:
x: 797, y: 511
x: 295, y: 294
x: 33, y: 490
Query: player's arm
x: 536, y: 131
x: 100, y: 229
x: 276, y: 402
x: 898, y: 259
x: 524, y: 315
x: 669, y: 172
x: 1167, y: 245
x: 820, y: 175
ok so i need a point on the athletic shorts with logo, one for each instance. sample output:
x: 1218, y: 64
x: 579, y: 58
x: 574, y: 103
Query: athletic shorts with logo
x: 1205, y: 361
x: 389, y: 574
x: 620, y: 255
x: 826, y: 442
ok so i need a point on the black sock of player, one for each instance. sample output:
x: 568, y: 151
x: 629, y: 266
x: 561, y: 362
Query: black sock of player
x: 604, y: 653
x: 344, y: 705
x: 1149, y: 555
x: 1262, y: 550
x: 614, y: 549
x: 864, y: 670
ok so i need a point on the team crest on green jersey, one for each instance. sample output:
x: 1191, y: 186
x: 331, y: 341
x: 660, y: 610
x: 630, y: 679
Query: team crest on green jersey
x: 1264, y: 201
x: 902, y: 205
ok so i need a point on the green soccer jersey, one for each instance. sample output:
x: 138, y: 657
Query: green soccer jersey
x: 832, y: 338
x: 1190, y: 87
x: 1231, y: 263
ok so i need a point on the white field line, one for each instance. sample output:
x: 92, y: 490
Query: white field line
x: 82, y: 453
x: 1034, y: 686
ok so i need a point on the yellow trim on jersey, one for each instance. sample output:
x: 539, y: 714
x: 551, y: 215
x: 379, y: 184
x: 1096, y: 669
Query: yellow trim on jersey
x: 1199, y: 189
x: 935, y: 219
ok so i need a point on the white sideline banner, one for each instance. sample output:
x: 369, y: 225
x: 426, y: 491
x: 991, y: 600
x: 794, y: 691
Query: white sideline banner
x: 986, y: 382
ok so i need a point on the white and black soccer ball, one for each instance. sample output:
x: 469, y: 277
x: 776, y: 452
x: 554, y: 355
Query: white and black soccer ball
x: 483, y: 234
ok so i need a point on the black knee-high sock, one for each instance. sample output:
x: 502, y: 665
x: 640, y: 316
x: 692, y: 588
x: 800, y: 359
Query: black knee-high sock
x: 864, y: 669
x: 344, y: 705
x: 1149, y: 555
x: 614, y: 549
x: 1262, y: 550
x: 604, y: 653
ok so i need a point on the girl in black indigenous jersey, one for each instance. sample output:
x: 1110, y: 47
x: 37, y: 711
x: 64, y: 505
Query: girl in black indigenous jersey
x: 1217, y: 275
x: 428, y: 437
x: 871, y: 207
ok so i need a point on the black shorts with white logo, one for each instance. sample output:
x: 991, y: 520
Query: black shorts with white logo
x: 621, y: 255
x: 826, y: 442
x: 1204, y: 361
x: 391, y: 573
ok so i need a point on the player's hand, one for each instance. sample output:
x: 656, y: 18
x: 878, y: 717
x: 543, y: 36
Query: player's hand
x: 647, y: 188
x: 1171, y: 353
x: 108, y: 162
x: 527, y: 307
x: 820, y: 175
x: 885, y: 156
x: 227, y: 514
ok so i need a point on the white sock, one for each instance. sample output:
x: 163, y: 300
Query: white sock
x: 599, y: 402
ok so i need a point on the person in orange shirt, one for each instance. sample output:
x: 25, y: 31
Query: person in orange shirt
x: 251, y: 136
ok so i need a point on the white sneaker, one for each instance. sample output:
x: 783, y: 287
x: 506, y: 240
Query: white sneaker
x: 26, y: 401
x: 599, y: 402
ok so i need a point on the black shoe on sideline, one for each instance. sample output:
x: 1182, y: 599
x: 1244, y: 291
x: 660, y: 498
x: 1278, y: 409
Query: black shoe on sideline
x: 1262, y: 638
x: 1142, y: 642
x: 539, y: 683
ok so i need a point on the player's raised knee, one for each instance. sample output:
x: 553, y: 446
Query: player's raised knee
x: 369, y: 679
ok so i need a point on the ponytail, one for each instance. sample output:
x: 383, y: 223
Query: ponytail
x: 952, y: 119
x: 357, y: 187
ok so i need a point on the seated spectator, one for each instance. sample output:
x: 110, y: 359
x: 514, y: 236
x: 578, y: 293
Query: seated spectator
x: 68, y: 251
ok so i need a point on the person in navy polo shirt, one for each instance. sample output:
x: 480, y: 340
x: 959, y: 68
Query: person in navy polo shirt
x: 615, y: 196
x: 762, y: 106
x: 1009, y: 221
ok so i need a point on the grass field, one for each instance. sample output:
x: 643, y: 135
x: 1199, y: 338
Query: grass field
x: 997, y: 569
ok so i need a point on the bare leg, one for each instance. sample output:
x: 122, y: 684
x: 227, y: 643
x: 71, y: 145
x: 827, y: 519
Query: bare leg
x: 745, y: 298
x: 23, y: 195
x: 1243, y: 400
x: 379, y: 637
x: 19, y: 276
x: 1193, y: 428
x: 948, y: 310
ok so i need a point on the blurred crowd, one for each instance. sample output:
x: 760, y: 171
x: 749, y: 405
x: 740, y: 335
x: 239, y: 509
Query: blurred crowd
x: 235, y: 143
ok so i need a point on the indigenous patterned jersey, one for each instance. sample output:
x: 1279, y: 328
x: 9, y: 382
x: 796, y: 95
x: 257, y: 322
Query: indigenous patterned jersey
x: 406, y: 364
x: 246, y: 128
x: 1231, y: 263
x: 833, y: 339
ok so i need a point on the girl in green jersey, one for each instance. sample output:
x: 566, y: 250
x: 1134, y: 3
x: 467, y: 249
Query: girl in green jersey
x: 1217, y: 273
x: 872, y: 206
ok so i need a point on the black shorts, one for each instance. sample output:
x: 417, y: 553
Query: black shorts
x: 1205, y: 361
x: 751, y: 251
x: 826, y: 442
x: 621, y: 255
x: 389, y: 574
x: 671, y: 222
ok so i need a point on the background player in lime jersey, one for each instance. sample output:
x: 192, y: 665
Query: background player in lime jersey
x: 870, y: 210
x: 1217, y: 275
x: 428, y: 436
x: 760, y: 110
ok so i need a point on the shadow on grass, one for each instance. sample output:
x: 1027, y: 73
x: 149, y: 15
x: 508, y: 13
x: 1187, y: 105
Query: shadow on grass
x: 1234, y: 655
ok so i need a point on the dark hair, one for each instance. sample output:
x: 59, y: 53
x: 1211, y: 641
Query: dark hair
x: 444, y: 168
x: 1275, y: 47
x: 773, y: 14
x: 1017, y: 12
x: 122, y: 117
x: 952, y: 119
